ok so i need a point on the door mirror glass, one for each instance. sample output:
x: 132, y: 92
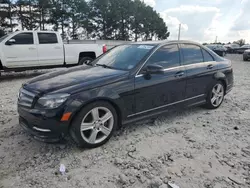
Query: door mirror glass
x: 153, y: 69
x: 11, y: 42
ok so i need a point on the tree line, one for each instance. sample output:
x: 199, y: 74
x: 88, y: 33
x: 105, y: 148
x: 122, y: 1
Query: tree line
x: 96, y: 19
x: 240, y: 42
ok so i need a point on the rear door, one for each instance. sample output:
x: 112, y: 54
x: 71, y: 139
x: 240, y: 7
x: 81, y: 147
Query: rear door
x: 50, y: 50
x: 200, y: 68
x: 21, y: 53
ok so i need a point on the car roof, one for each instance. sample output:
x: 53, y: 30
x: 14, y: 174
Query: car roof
x: 162, y: 42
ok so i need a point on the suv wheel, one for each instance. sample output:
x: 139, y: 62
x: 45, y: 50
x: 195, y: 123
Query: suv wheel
x: 216, y: 96
x: 94, y: 125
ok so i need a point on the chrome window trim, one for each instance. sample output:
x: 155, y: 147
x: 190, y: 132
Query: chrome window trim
x: 172, y: 68
x: 159, y: 107
x: 181, y: 66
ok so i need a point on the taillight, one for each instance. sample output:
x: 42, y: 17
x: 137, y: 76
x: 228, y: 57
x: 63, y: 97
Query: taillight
x: 104, y: 48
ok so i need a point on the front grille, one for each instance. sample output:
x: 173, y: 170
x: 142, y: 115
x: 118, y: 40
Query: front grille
x: 25, y: 98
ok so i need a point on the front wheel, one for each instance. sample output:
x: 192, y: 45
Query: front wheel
x: 94, y: 124
x: 215, y: 96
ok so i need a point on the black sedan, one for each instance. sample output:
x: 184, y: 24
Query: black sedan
x: 129, y: 83
x: 218, y: 49
x: 246, y: 55
x: 243, y: 48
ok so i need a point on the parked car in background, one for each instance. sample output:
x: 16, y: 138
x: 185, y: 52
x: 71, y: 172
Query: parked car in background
x: 128, y: 83
x: 25, y: 50
x: 218, y: 49
x: 231, y: 48
x: 246, y: 55
x: 242, y: 49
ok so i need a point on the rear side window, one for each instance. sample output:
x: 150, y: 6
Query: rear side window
x: 167, y: 56
x: 191, y: 54
x: 47, y: 38
x: 23, y: 38
x: 207, y: 56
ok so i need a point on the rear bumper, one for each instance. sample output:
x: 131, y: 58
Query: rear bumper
x: 43, y: 126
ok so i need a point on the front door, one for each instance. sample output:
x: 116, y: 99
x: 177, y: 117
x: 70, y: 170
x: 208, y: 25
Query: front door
x: 161, y: 91
x: 22, y: 52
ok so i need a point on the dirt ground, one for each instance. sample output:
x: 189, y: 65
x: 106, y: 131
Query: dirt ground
x: 195, y: 148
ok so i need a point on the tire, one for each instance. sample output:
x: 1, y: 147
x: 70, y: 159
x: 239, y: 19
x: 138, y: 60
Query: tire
x: 244, y: 59
x: 85, y: 60
x: 88, y: 131
x: 215, y: 96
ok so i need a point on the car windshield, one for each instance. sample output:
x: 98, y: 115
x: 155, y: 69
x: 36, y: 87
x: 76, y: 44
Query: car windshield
x: 4, y: 37
x: 245, y: 46
x: 124, y: 57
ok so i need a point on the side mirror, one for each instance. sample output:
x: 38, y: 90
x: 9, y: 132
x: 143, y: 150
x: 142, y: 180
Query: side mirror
x: 10, y: 42
x: 153, y: 69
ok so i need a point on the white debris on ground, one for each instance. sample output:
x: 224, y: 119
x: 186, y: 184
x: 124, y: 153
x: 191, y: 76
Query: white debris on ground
x: 193, y: 148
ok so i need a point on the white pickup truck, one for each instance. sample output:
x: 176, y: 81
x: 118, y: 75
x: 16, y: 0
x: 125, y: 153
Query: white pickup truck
x: 24, y: 50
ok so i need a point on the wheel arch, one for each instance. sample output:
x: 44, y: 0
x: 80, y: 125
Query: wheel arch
x: 100, y: 99
x: 219, y: 76
x: 87, y: 54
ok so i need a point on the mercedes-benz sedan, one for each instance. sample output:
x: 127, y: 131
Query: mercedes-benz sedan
x: 128, y: 83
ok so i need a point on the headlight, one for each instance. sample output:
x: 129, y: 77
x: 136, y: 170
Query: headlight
x: 52, y: 101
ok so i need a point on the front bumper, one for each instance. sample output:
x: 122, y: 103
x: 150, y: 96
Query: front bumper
x: 43, y: 125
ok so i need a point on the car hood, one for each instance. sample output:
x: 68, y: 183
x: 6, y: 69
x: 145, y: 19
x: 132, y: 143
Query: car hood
x: 72, y: 79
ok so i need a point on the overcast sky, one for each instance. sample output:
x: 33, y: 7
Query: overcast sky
x: 203, y: 20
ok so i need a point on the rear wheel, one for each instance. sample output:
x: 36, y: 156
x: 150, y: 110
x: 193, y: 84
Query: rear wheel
x: 244, y: 59
x: 85, y: 60
x: 94, y: 125
x: 215, y: 96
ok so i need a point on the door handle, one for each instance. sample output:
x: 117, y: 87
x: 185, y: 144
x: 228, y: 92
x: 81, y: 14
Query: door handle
x: 32, y: 48
x: 210, y: 66
x: 179, y: 74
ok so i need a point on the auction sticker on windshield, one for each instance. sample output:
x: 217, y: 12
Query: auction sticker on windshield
x: 148, y: 47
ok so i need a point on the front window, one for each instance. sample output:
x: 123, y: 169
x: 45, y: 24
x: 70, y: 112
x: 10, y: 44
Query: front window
x: 167, y: 57
x: 24, y: 38
x: 124, y: 57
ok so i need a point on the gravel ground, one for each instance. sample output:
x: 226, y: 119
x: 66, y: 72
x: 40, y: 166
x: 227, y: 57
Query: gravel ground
x: 194, y: 148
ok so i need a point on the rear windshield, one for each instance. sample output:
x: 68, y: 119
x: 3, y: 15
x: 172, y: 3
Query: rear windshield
x: 125, y: 57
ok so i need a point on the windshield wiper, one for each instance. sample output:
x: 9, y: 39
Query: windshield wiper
x: 105, y: 66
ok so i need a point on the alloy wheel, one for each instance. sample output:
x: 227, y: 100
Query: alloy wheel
x: 97, y: 125
x: 217, y: 95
